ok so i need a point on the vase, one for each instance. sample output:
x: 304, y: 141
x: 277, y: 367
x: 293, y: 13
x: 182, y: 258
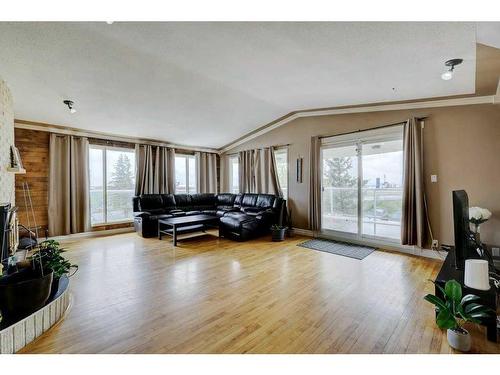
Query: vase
x: 476, y: 229
x: 459, y: 339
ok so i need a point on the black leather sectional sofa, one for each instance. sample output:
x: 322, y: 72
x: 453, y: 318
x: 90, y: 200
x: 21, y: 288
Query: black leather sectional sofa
x: 242, y: 216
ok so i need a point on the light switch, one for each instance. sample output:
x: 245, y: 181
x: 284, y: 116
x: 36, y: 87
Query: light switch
x: 434, y: 178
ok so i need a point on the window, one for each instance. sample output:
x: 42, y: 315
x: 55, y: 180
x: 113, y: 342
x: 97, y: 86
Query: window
x: 281, y: 156
x: 234, y: 178
x: 185, y: 174
x: 112, y: 184
x: 362, y: 184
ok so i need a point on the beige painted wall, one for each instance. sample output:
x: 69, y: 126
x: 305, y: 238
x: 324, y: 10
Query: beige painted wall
x: 461, y: 146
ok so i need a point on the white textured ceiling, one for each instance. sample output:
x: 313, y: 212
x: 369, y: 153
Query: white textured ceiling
x: 206, y: 84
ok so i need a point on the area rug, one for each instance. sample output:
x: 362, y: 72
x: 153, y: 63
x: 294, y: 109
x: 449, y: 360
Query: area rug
x: 339, y: 248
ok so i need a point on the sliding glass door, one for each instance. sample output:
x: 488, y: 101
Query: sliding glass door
x: 361, y: 188
x: 382, y: 188
x: 339, y: 200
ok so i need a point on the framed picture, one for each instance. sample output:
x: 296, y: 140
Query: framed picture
x: 299, y: 169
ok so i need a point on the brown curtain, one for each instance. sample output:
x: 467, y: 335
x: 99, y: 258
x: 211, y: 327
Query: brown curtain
x: 246, y: 170
x: 155, y: 170
x: 413, y: 217
x: 69, y: 204
x: 206, y: 172
x: 315, y: 186
x: 164, y: 171
x: 258, y: 173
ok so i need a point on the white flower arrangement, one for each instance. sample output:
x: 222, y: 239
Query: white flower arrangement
x: 478, y: 215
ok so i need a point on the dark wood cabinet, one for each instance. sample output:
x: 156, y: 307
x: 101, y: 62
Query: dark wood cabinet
x: 488, y: 298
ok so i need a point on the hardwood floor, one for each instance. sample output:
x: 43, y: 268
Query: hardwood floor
x: 210, y: 295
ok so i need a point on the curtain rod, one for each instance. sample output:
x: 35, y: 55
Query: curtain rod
x: 375, y: 128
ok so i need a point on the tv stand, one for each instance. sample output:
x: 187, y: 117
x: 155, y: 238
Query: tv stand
x: 487, y: 297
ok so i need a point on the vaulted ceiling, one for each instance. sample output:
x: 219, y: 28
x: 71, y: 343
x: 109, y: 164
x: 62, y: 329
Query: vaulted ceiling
x: 206, y: 84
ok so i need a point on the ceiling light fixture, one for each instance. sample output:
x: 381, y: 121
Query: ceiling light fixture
x: 110, y: 22
x: 70, y: 105
x: 449, y: 73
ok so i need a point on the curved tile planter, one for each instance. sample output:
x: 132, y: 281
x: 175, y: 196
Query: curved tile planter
x: 19, y: 334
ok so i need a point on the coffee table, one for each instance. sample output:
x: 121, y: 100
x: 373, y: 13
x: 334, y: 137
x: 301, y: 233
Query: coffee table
x: 174, y: 226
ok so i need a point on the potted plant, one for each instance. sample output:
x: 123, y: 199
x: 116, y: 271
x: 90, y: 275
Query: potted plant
x: 26, y: 290
x: 50, y: 252
x: 453, y: 311
x: 278, y: 232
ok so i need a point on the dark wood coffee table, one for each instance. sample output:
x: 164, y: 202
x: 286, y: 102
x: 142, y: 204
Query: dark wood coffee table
x: 174, y: 226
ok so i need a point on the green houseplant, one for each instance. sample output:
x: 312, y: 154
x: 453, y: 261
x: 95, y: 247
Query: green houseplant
x: 453, y: 311
x: 278, y: 232
x: 50, y: 253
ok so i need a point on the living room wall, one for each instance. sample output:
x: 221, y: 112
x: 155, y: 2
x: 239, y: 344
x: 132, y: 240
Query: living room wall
x: 461, y: 146
x: 33, y: 147
x: 6, y: 140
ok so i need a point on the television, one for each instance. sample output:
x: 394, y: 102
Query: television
x: 464, y: 248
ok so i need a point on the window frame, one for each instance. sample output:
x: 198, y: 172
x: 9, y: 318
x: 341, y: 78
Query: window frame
x: 383, y: 134
x: 187, y: 157
x: 104, y: 148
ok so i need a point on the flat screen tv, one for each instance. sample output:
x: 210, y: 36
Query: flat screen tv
x: 463, y: 245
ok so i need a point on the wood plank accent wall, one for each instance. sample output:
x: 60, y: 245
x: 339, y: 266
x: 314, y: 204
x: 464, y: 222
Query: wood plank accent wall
x: 34, y: 149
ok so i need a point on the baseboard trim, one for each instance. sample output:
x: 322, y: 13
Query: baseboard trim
x: 303, y: 232
x: 97, y: 233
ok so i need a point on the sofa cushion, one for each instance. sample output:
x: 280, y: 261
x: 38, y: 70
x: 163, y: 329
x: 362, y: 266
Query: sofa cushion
x: 160, y: 216
x: 182, y: 200
x: 203, y: 200
x: 225, y: 199
x: 249, y: 200
x: 156, y: 211
x: 212, y: 212
x: 193, y: 212
x: 252, y: 210
x: 265, y: 200
x: 228, y: 208
x: 150, y: 202
x: 168, y: 201
x: 233, y: 220
x: 237, y: 200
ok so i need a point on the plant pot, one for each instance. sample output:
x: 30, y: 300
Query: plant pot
x: 278, y: 234
x: 290, y: 232
x: 23, y: 293
x: 459, y: 339
x: 55, y: 287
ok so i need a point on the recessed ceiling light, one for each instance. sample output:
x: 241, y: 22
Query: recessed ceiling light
x: 70, y: 105
x: 451, y: 64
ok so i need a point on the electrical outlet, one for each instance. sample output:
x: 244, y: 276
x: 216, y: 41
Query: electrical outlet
x: 435, y: 245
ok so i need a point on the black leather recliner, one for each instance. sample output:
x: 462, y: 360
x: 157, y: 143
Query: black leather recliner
x: 256, y: 214
x: 242, y: 216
